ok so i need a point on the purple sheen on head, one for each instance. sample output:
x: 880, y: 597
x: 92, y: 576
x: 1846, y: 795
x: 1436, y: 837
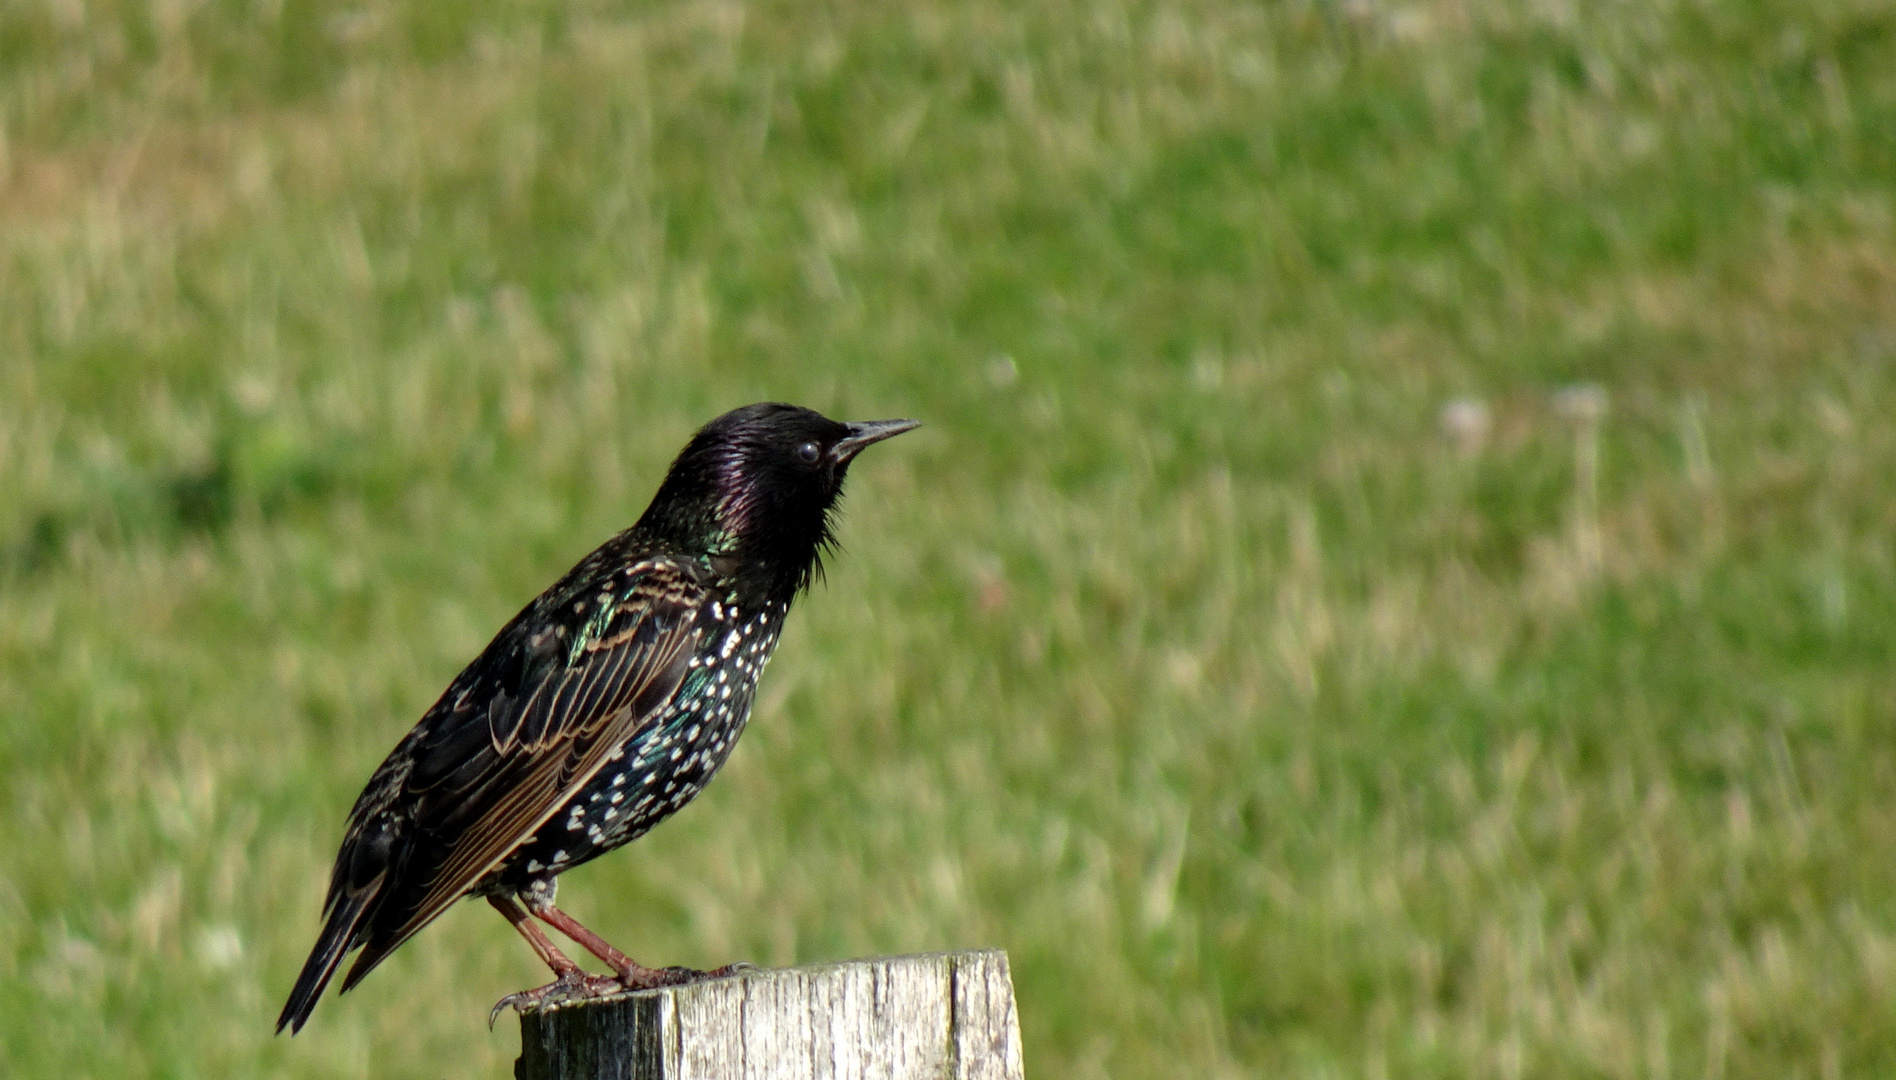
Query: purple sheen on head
x: 740, y: 488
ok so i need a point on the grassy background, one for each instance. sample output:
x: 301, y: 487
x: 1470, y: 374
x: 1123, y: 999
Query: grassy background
x: 1398, y: 579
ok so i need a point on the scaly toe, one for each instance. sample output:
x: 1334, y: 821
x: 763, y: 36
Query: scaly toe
x: 681, y: 976
x: 573, y: 987
x: 644, y: 978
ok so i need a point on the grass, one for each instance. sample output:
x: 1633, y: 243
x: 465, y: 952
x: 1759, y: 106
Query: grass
x: 1398, y: 579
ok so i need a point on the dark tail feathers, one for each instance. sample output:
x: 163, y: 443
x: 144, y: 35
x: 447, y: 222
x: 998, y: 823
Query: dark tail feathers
x: 339, y: 932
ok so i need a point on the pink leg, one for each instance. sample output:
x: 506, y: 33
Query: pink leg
x: 544, y: 949
x: 569, y: 980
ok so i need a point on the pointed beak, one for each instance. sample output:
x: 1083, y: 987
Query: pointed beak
x: 869, y: 431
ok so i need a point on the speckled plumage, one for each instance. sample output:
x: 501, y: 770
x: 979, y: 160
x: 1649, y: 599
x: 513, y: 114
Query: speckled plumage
x: 599, y: 710
x: 664, y: 766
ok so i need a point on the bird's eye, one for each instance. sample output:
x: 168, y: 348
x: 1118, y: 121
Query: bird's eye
x: 809, y: 452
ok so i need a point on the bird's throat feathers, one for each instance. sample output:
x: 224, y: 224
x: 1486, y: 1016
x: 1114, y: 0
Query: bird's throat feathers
x: 765, y: 532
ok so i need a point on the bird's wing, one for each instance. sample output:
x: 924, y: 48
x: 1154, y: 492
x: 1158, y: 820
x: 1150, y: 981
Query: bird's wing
x: 533, y: 727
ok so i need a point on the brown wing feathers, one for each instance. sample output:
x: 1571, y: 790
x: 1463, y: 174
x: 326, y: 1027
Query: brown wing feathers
x: 499, y: 774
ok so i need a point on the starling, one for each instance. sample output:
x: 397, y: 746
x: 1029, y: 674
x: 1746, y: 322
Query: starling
x: 599, y: 710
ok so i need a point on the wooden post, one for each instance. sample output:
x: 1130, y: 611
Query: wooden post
x: 936, y: 1016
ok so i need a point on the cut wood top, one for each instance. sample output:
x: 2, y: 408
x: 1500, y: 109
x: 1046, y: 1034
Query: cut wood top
x: 933, y: 1016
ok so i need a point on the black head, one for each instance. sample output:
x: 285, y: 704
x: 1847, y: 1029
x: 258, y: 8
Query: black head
x: 757, y: 487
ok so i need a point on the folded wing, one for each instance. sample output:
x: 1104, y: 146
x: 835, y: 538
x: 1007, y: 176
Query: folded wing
x: 515, y: 737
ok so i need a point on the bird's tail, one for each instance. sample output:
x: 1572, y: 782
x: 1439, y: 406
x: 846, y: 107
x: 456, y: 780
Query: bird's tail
x: 338, y: 936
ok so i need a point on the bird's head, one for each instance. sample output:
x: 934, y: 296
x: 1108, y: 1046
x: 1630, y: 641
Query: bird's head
x: 758, y: 485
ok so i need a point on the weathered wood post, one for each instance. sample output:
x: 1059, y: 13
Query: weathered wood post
x: 939, y: 1016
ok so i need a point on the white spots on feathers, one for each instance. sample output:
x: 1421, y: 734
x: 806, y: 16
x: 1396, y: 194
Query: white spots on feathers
x: 674, y: 753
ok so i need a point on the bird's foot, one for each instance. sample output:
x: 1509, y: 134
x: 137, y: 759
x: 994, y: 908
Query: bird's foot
x: 644, y: 978
x: 572, y: 986
x: 578, y: 986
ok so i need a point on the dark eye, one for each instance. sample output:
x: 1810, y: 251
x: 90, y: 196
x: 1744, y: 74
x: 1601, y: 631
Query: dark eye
x: 808, y: 452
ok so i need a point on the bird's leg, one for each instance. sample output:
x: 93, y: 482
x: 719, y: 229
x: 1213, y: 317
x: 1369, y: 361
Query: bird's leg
x: 569, y: 980
x: 544, y: 949
x: 632, y: 974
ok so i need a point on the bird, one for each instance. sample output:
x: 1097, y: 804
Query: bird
x: 598, y: 711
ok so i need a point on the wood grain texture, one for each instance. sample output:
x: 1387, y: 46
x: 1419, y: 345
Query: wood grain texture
x: 935, y: 1016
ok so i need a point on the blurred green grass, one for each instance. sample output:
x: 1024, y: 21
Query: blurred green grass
x: 1397, y: 582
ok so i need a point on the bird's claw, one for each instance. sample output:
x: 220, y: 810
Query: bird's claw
x: 573, y: 986
x: 577, y: 986
x: 680, y: 976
